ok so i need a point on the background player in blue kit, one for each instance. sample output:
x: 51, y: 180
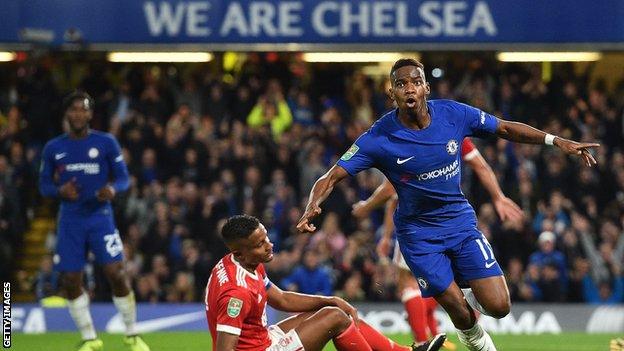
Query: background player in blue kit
x: 85, y: 169
x: 416, y: 146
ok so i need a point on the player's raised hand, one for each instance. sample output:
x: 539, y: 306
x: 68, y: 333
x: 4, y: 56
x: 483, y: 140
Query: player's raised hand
x: 305, y: 223
x: 507, y: 209
x: 347, y: 308
x: 70, y: 190
x: 107, y: 193
x: 360, y: 209
x: 571, y: 147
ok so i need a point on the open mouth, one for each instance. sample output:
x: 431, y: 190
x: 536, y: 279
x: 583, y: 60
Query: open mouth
x: 410, y: 102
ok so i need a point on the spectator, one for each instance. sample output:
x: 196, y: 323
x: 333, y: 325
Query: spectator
x: 182, y: 289
x: 551, y: 284
x: 605, y: 292
x: 601, y: 261
x: 329, y: 242
x: 310, y: 277
x: 579, y: 271
x: 353, y: 290
x: 553, y: 212
x: 547, y: 255
x: 148, y: 289
x: 273, y: 113
x: 149, y: 169
x: 197, y: 153
x: 301, y: 108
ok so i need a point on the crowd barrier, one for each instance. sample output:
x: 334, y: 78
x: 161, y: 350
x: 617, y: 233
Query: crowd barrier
x: 387, y: 317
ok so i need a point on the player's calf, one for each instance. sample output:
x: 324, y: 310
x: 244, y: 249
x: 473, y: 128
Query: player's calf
x: 80, y: 313
x: 124, y: 301
x: 116, y: 274
x: 452, y: 300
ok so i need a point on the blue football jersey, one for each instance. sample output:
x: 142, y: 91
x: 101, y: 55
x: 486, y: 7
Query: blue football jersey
x: 424, y: 166
x: 94, y: 161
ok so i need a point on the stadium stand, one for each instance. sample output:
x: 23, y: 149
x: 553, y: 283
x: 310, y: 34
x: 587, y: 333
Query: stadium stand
x: 202, y: 144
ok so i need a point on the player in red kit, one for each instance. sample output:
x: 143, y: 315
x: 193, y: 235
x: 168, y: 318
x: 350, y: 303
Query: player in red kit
x: 238, y: 291
x: 420, y: 310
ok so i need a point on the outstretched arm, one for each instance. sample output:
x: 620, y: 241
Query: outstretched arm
x: 320, y: 191
x: 505, y: 207
x: 379, y: 197
x: 289, y: 301
x: 522, y: 133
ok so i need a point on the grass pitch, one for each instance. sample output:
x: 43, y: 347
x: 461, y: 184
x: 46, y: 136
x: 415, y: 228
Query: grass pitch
x: 191, y: 341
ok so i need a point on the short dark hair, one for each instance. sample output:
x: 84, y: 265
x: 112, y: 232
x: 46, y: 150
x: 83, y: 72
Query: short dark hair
x: 239, y: 227
x: 406, y: 62
x: 77, y: 95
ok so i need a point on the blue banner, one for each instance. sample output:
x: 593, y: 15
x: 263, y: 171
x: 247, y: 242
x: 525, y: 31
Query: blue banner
x: 312, y: 22
x: 33, y: 318
x: 386, y: 317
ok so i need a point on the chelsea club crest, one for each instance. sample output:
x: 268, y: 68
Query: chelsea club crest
x: 451, y: 147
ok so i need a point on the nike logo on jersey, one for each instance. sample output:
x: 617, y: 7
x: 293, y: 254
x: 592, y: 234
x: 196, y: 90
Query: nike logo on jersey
x: 489, y: 265
x: 400, y: 162
x: 60, y: 156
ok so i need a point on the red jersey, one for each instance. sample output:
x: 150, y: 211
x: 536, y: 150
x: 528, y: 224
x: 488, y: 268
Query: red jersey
x: 236, y: 304
x: 468, y: 150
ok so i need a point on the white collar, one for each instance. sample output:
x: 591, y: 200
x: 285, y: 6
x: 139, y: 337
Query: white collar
x: 252, y: 275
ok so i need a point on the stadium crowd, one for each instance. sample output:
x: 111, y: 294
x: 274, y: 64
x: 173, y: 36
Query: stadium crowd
x: 203, y: 143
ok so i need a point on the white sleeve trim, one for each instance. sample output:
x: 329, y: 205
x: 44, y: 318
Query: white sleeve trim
x: 228, y: 329
x: 472, y: 154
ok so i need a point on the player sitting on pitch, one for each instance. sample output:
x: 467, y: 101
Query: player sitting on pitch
x: 238, y: 291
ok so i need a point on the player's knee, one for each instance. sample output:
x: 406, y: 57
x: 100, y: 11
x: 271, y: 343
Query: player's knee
x: 338, y: 319
x: 458, y: 310
x: 72, y: 284
x: 500, y: 308
x: 116, y: 275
